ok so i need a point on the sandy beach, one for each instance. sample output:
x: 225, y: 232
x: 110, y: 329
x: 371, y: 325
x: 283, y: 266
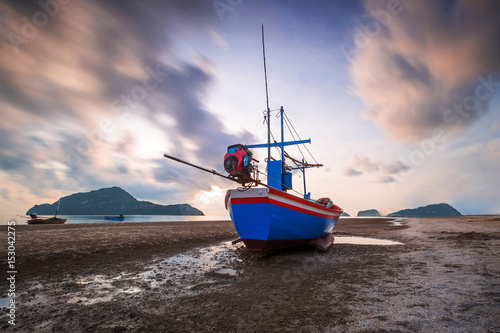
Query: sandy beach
x: 183, y: 277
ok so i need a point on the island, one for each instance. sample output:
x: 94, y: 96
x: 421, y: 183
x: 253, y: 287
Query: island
x: 434, y: 210
x: 369, y: 212
x: 110, y: 201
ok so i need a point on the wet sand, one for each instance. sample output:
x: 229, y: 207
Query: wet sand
x: 188, y: 277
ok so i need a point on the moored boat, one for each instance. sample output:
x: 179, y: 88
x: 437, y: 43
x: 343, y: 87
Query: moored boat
x: 267, y: 218
x: 51, y: 220
x: 115, y: 218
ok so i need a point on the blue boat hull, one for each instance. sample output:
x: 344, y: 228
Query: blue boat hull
x: 268, y: 220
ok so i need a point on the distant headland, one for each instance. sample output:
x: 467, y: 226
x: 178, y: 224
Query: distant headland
x: 369, y: 212
x: 435, y: 210
x: 110, y: 201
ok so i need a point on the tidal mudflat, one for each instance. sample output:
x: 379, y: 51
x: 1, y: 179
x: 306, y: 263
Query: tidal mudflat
x: 435, y: 275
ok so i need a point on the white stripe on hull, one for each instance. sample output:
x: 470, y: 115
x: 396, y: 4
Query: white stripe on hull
x: 265, y: 192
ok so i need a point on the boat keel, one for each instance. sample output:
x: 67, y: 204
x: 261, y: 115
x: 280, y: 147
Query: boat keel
x: 261, y: 248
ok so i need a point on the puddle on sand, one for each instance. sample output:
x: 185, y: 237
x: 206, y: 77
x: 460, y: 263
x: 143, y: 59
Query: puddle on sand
x: 227, y: 271
x: 183, y: 274
x: 363, y: 241
x: 99, y: 288
x: 398, y: 222
x: 4, y: 302
x: 187, y: 268
x: 37, y: 300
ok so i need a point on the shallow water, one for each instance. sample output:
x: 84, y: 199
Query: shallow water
x: 78, y: 219
x: 38, y: 299
x: 191, y: 265
x: 4, y: 302
x: 398, y: 222
x: 364, y: 241
x: 227, y: 271
x: 183, y: 274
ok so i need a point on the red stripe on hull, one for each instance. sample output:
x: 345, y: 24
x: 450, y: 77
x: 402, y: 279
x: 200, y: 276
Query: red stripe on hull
x: 260, y: 248
x: 236, y: 201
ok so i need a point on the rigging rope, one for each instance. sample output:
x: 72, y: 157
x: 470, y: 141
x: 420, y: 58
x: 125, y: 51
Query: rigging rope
x: 274, y: 140
x: 300, y: 139
x: 287, y: 123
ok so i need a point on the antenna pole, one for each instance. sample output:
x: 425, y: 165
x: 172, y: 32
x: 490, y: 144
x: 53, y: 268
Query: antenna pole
x: 267, y: 100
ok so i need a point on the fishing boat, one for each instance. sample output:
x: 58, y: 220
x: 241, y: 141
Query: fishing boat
x: 266, y: 216
x: 35, y: 219
x: 115, y: 218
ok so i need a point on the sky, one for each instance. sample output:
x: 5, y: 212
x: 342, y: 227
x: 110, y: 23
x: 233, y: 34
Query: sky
x: 401, y: 99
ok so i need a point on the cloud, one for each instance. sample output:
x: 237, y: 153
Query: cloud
x: 5, y: 194
x: 495, y: 126
x: 393, y: 167
x: 365, y: 164
x: 427, y: 65
x: 350, y: 172
x: 383, y: 169
x: 385, y: 179
x: 100, y: 91
x: 218, y: 40
x: 493, y: 148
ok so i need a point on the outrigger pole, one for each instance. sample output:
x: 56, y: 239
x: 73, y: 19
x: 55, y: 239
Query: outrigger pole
x: 198, y: 167
x: 212, y: 171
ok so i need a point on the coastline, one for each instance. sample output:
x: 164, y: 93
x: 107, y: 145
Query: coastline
x: 444, y: 278
x: 99, y: 219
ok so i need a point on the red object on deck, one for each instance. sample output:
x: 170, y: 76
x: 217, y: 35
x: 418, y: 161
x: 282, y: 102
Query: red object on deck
x: 234, y: 160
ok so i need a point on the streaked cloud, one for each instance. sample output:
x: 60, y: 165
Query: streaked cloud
x: 493, y: 148
x: 99, y: 94
x: 429, y: 65
x: 495, y: 126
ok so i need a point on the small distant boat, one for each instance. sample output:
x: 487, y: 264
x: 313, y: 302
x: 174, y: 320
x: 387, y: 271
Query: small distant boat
x: 115, y: 218
x: 51, y: 220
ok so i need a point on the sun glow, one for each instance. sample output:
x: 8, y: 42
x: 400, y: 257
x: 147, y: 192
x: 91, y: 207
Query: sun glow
x: 211, y: 202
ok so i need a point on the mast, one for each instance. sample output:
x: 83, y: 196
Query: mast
x: 267, y: 100
x: 57, y: 210
x: 277, y: 175
x: 282, y: 147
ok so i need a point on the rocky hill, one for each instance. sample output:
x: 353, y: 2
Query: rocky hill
x: 110, y: 201
x: 435, y: 210
x: 369, y: 212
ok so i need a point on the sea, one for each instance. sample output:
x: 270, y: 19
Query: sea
x: 79, y: 219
